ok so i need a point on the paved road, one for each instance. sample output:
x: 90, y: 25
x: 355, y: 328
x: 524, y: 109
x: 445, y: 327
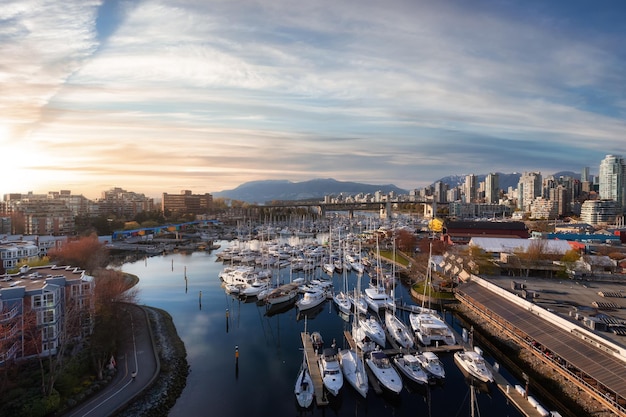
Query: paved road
x: 137, y: 368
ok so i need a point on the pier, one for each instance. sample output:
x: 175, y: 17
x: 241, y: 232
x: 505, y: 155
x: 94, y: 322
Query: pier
x: 314, y: 370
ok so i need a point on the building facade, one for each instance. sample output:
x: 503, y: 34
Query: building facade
x: 186, y: 203
x: 42, y: 307
x: 612, y: 179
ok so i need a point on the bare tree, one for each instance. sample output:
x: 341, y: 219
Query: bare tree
x: 86, y: 252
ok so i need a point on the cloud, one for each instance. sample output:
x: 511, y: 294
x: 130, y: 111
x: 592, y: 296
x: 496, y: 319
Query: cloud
x: 224, y: 92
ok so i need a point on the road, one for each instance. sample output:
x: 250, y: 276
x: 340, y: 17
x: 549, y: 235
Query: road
x: 137, y: 366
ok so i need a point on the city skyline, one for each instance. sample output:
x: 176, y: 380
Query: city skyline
x: 157, y: 96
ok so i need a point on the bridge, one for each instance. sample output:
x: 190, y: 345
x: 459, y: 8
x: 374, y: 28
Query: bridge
x: 385, y: 208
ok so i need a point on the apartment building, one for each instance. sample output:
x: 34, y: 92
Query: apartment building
x: 186, y: 203
x: 42, y: 307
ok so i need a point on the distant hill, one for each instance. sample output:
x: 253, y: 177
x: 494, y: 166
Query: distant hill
x: 506, y: 180
x: 261, y: 192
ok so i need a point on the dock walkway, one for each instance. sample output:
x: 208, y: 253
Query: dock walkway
x: 314, y: 370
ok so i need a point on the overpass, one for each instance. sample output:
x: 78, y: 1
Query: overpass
x: 385, y: 208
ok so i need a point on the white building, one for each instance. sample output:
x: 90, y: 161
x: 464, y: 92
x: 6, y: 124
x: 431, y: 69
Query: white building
x: 600, y: 211
x: 612, y: 179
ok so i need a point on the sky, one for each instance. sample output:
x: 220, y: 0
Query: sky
x: 161, y: 96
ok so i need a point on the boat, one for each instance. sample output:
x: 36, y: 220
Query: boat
x: 357, y: 299
x: 352, y: 364
x: 374, y: 330
x: 375, y: 295
x: 431, y: 328
x: 474, y: 364
x: 398, y: 331
x: 255, y: 288
x: 411, y: 368
x: 431, y: 364
x: 304, y: 389
x: 427, y: 324
x: 282, y: 294
x: 317, y: 341
x: 341, y: 299
x: 381, y: 368
x: 311, y: 298
x: 330, y: 370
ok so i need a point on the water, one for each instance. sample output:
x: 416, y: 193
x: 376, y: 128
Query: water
x: 212, y: 324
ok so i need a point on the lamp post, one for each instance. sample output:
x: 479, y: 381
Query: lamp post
x: 526, y: 379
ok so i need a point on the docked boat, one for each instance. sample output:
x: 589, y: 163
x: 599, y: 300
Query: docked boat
x: 311, y: 298
x: 352, y: 364
x: 330, y: 370
x: 374, y: 330
x: 431, y: 364
x: 282, y: 294
x: 474, y: 364
x: 357, y: 300
x: 381, y: 368
x: 398, y: 331
x: 377, y: 298
x: 304, y: 389
x: 255, y: 288
x: 317, y: 341
x: 430, y: 328
x: 411, y: 368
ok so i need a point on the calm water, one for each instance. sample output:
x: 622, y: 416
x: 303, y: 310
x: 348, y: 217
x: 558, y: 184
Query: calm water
x: 213, y: 324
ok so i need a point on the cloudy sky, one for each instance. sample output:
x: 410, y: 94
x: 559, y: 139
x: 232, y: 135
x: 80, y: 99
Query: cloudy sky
x: 158, y: 96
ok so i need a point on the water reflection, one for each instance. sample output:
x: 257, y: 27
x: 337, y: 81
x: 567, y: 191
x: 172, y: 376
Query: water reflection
x: 211, y: 323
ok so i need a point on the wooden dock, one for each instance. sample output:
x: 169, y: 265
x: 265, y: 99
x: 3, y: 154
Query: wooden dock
x: 519, y: 400
x: 314, y: 370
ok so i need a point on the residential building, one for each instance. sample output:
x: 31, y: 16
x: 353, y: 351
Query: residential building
x: 186, y: 203
x: 42, y: 307
x: 612, y: 179
x: 542, y: 208
x: 492, y: 188
x: 471, y: 188
x: 529, y: 188
x: 124, y: 204
x: 600, y: 211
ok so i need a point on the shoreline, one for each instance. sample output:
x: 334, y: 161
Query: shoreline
x: 161, y: 396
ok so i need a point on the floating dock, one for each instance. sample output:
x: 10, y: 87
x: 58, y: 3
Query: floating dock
x: 314, y: 370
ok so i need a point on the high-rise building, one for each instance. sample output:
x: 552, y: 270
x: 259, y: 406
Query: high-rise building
x: 612, y: 179
x: 529, y: 187
x: 492, y: 188
x: 584, y: 175
x: 471, y: 188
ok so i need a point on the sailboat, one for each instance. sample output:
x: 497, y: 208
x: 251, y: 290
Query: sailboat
x: 399, y: 331
x: 352, y: 364
x: 375, y: 295
x: 341, y: 298
x: 428, y: 325
x: 304, y: 388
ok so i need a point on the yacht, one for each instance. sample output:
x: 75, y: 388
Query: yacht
x: 377, y: 298
x: 330, y: 370
x: 381, y: 368
x: 411, y: 368
x: 474, y: 364
x: 431, y: 364
x: 311, y: 298
x: 430, y: 327
x: 398, y: 331
x: 374, y: 330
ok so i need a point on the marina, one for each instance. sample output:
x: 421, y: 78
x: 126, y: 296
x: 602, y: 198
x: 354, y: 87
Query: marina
x: 282, y: 354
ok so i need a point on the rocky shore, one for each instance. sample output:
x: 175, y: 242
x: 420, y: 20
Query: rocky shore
x: 162, y: 395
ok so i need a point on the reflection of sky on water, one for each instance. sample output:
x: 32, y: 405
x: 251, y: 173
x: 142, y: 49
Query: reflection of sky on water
x: 269, y: 349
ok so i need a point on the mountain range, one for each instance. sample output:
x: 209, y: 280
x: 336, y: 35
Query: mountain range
x: 260, y: 192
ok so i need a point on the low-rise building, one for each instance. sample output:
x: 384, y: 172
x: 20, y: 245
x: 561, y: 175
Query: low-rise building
x: 42, y: 307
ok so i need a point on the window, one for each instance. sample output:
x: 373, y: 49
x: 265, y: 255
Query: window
x: 36, y: 301
x: 49, y: 333
x: 48, y: 316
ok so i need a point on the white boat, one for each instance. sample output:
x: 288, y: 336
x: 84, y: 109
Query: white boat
x: 374, y: 330
x: 304, y: 388
x: 398, y: 330
x: 342, y: 301
x: 310, y: 299
x: 358, y: 300
x: 431, y: 364
x: 377, y: 298
x: 330, y: 370
x: 428, y: 325
x: 474, y: 364
x: 410, y: 366
x: 353, y: 370
x: 255, y: 288
x: 282, y: 294
x: 381, y: 368
x: 431, y: 328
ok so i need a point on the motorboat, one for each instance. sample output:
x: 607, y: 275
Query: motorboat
x: 317, y: 341
x: 283, y: 294
x: 431, y: 364
x: 304, y: 389
x: 411, y: 368
x: 398, y: 331
x: 311, y: 298
x: 353, y: 369
x: 430, y: 328
x: 255, y: 288
x: 381, y: 368
x: 374, y: 330
x: 330, y: 370
x: 377, y: 298
x: 474, y: 364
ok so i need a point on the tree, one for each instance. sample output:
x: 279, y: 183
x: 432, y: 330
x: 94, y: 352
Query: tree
x: 85, y: 252
x: 405, y: 241
x: 113, y: 291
